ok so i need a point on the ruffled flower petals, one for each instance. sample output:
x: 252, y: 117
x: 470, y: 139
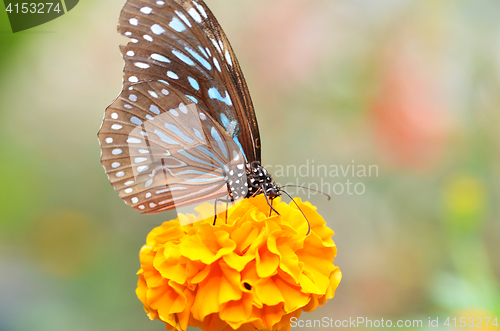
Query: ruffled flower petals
x: 244, y: 235
x: 314, y: 257
x: 267, y: 262
x: 294, y: 298
x: 250, y: 271
x: 237, y: 262
x: 270, y: 315
x: 208, y: 250
x: 290, y: 262
x: 208, y: 288
x: 268, y: 292
x: 229, y: 285
x: 236, y: 313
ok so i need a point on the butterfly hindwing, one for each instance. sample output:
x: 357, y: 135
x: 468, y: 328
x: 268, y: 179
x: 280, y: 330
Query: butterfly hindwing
x: 161, y: 151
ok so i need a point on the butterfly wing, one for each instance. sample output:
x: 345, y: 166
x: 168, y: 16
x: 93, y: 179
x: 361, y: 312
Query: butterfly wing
x: 162, y: 151
x: 181, y: 42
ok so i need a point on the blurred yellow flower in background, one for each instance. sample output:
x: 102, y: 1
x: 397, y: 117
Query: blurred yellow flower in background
x: 251, y: 271
x: 475, y: 319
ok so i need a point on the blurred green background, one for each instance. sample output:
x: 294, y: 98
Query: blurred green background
x: 412, y: 87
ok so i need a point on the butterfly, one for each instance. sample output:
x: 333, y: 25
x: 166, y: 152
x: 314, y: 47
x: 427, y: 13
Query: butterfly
x: 183, y: 129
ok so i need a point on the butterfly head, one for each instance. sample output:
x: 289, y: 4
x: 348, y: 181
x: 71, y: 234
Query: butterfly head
x: 260, y: 181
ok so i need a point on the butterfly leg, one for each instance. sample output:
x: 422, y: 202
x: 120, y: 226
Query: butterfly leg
x: 270, y: 210
x: 267, y: 199
x: 227, y: 201
x: 215, y: 211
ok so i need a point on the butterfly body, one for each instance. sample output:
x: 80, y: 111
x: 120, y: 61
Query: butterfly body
x: 183, y: 130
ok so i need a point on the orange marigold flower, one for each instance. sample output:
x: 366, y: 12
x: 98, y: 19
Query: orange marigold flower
x: 249, y: 272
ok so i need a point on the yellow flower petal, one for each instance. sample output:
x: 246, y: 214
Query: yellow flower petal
x: 236, y: 313
x: 250, y: 271
x: 294, y: 298
x: 229, y: 284
x: 268, y: 292
x: 267, y: 262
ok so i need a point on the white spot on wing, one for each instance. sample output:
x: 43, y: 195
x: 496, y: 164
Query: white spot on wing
x: 228, y: 58
x: 217, y: 64
x: 194, y: 14
x: 194, y: 83
x: 216, y: 45
x: 154, y: 109
x: 132, y: 97
x: 133, y: 21
x: 109, y: 140
x: 130, y: 53
x: 203, y: 51
x: 201, y: 9
x: 133, y: 141
x: 142, y: 168
x: 133, y: 79
x: 177, y: 25
x: 116, y: 126
x: 157, y: 29
x: 148, y: 37
x: 184, y: 58
x: 184, y: 18
x: 160, y: 58
x: 141, y: 65
x: 116, y: 151
x: 135, y: 120
x: 172, y: 75
x: 146, y: 10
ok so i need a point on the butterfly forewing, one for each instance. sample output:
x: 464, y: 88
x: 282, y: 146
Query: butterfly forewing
x: 180, y: 42
x: 161, y: 151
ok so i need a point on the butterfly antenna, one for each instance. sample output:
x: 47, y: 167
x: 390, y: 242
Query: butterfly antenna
x: 310, y: 189
x: 267, y: 199
x: 308, y: 224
